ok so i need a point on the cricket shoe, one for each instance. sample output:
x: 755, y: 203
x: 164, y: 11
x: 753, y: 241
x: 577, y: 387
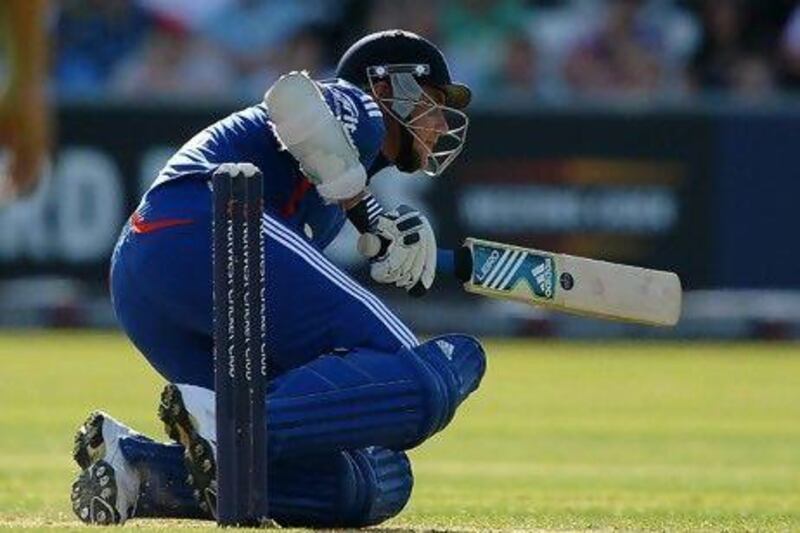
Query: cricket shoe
x: 188, y: 415
x: 106, y: 491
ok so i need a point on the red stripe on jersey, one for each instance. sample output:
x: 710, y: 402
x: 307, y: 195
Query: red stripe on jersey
x: 290, y: 207
x: 139, y: 225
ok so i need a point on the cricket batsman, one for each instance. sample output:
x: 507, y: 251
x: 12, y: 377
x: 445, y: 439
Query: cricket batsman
x: 351, y: 387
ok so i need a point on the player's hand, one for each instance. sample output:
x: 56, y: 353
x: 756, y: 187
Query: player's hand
x: 402, y: 248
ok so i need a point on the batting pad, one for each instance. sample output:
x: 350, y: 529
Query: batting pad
x: 369, y: 398
x: 355, y: 488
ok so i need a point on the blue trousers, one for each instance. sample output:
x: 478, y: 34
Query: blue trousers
x: 161, y: 286
x: 349, y: 375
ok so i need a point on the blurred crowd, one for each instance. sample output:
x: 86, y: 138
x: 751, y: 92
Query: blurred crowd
x: 519, y: 50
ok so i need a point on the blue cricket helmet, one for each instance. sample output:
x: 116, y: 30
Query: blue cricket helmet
x: 399, y: 47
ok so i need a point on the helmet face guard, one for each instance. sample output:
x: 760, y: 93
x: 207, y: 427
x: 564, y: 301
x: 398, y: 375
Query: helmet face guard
x: 409, y: 105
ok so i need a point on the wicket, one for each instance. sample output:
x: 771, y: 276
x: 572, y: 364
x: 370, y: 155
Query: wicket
x: 240, y: 355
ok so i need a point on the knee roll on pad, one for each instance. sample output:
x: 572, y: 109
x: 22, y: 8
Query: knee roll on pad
x: 454, y: 366
x: 348, y: 489
x: 462, y: 355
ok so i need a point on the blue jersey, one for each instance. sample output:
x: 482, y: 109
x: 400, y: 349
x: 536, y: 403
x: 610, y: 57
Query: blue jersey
x: 247, y: 136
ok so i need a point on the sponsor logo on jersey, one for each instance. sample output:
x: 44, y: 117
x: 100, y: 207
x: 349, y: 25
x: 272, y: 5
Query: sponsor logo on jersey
x: 345, y: 110
x: 373, y: 109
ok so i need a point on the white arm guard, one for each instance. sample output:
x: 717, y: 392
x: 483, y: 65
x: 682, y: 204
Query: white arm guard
x: 315, y: 138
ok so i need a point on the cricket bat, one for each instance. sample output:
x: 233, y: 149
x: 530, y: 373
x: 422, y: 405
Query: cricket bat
x: 567, y: 283
x: 558, y: 281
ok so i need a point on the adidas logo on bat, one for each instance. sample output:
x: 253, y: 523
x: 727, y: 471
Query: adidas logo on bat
x: 543, y: 274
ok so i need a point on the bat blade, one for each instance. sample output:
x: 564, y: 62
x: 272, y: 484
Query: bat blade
x: 574, y: 284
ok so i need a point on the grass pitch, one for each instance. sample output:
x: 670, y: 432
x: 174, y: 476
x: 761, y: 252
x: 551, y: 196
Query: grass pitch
x: 630, y: 436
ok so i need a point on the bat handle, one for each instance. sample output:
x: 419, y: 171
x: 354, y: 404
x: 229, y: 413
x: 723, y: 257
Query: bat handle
x: 445, y: 261
x: 457, y: 263
x: 372, y: 246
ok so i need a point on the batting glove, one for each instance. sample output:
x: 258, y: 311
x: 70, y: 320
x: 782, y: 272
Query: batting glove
x: 402, y: 248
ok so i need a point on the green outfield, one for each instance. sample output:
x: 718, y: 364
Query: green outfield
x: 560, y: 435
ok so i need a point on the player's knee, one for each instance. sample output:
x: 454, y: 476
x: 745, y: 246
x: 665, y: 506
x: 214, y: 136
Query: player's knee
x: 379, y: 486
x: 462, y: 355
x: 452, y: 367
